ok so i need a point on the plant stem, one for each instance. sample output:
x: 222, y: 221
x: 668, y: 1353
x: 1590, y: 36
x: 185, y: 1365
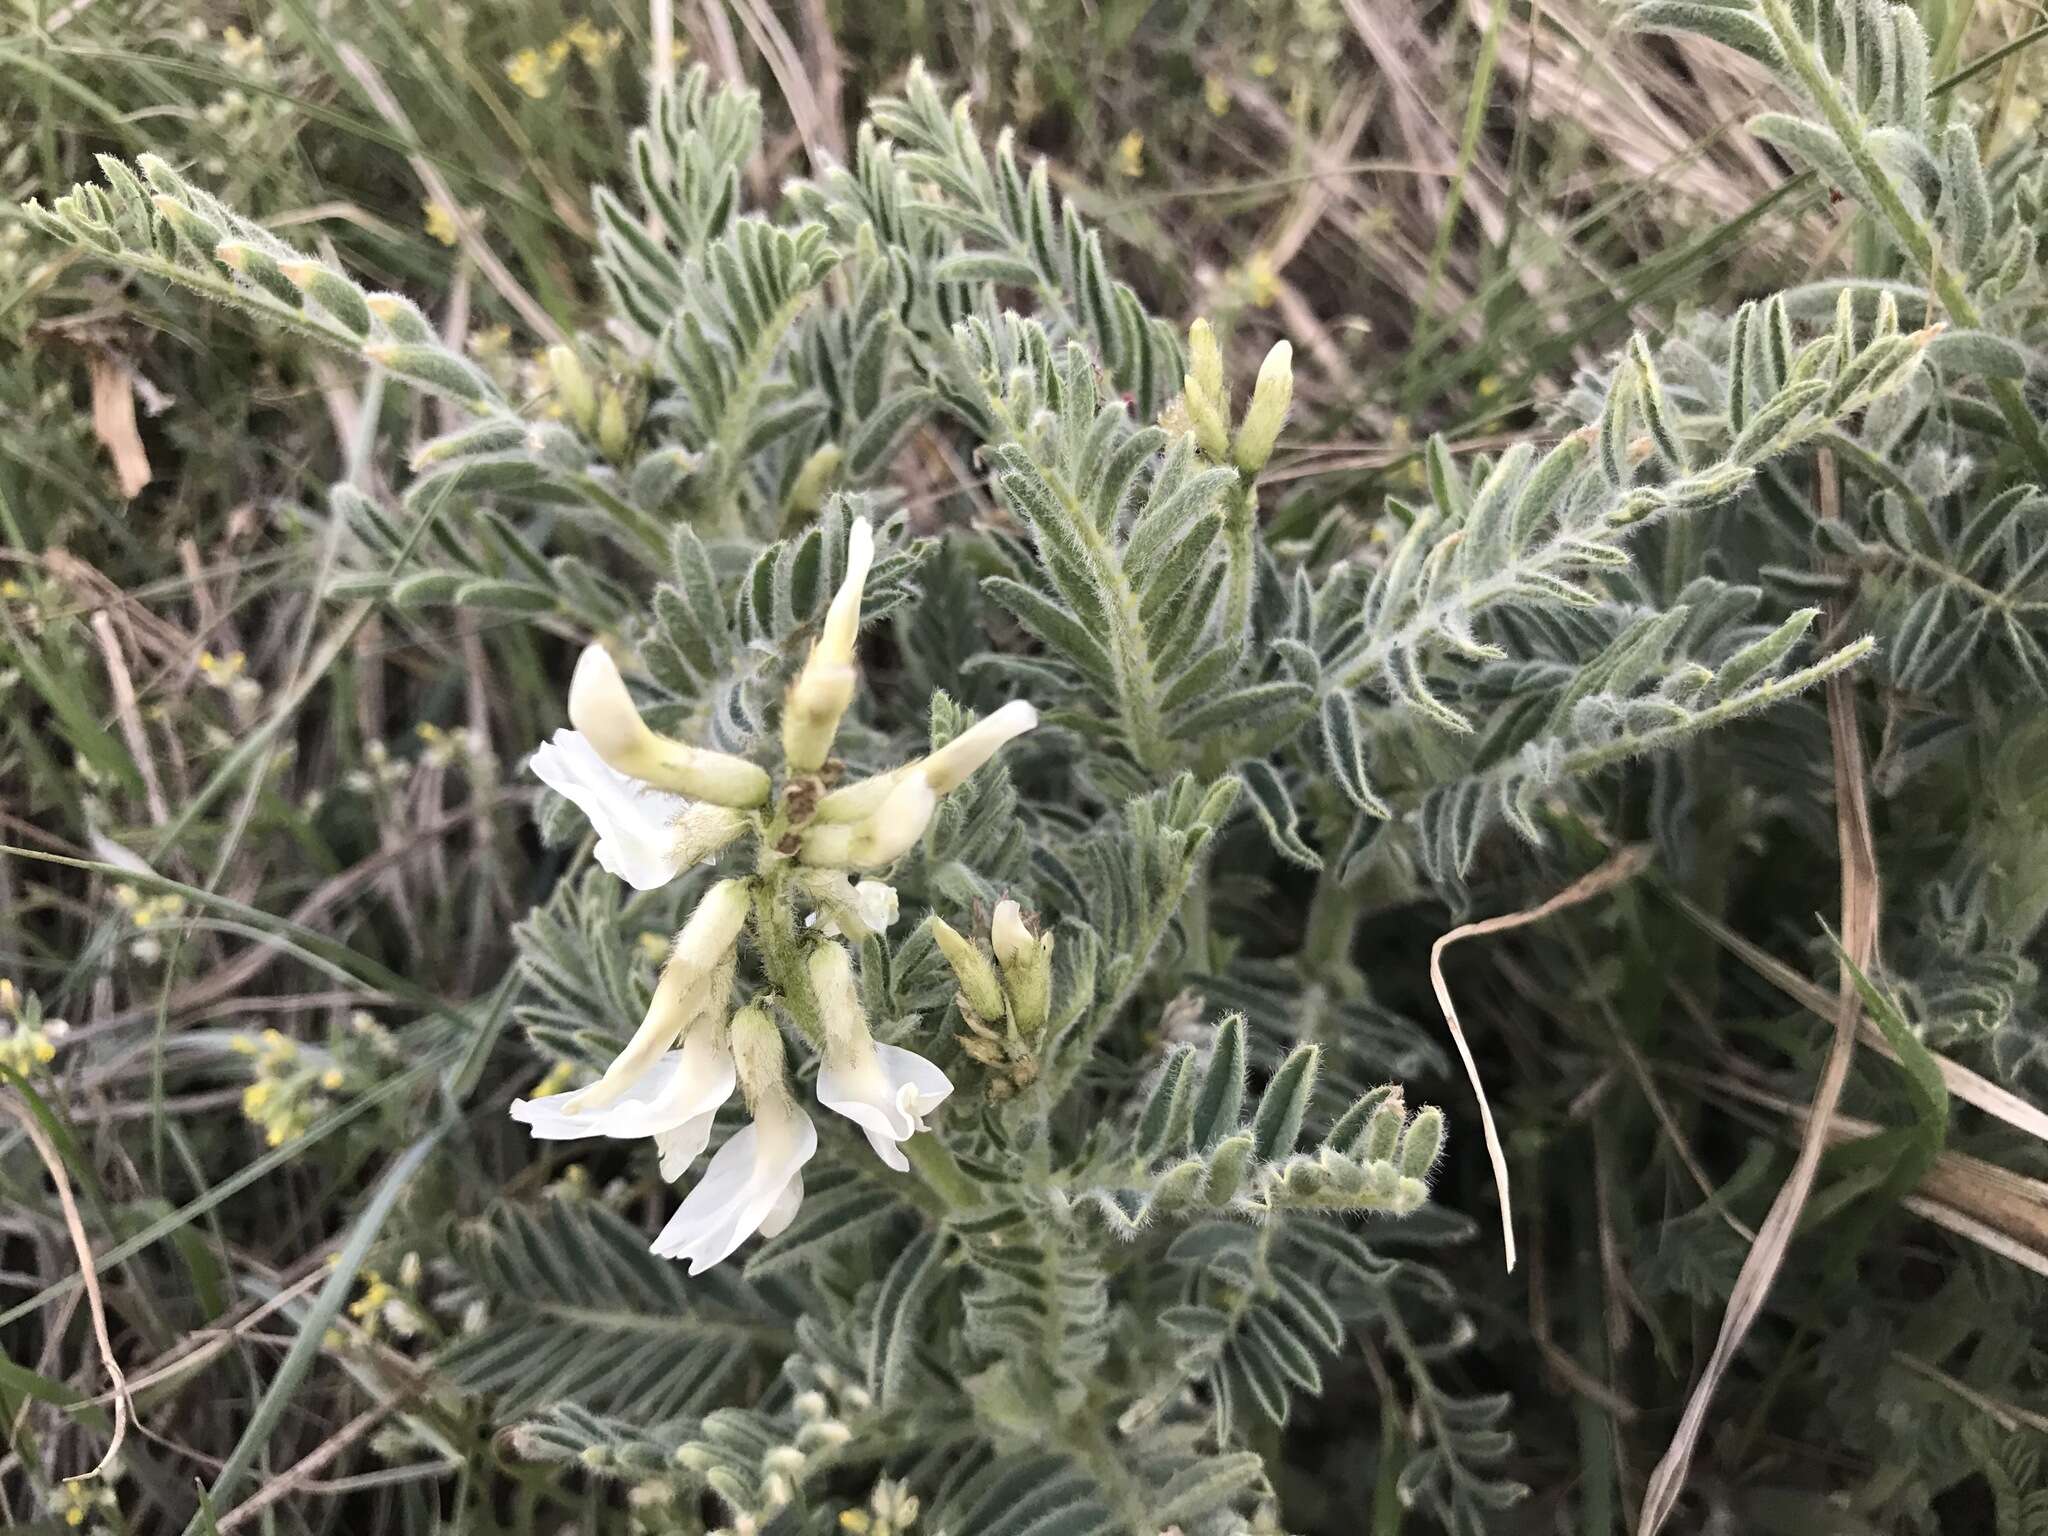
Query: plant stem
x: 1914, y: 234
x: 932, y: 1162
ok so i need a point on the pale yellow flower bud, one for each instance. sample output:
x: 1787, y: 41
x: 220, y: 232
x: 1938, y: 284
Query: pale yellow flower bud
x: 572, y: 387
x: 883, y: 836
x: 974, y: 746
x: 1271, y: 399
x: 857, y: 802
x: 821, y: 692
x: 895, y: 828
x: 1026, y: 959
x: 979, y: 985
x: 602, y: 709
x: 1203, y: 395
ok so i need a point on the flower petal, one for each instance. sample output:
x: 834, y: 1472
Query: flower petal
x: 748, y: 1180
x: 886, y: 1091
x: 907, y: 1067
x: 635, y: 836
x: 703, y: 1080
x: 679, y: 1146
x: 558, y: 1118
x: 784, y: 1210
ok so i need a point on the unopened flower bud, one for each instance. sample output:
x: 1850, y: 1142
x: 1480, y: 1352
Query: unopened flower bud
x: 979, y: 985
x: 572, y: 387
x: 1026, y: 959
x: 602, y: 709
x: 807, y: 491
x: 974, y: 746
x: 821, y: 692
x: 895, y: 828
x: 1271, y: 398
x: 857, y: 802
x: 614, y: 431
x: 1203, y: 395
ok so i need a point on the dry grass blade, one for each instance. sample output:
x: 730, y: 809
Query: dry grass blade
x: 1624, y: 865
x: 1970, y: 1086
x: 2001, y: 1211
x: 113, y: 423
x: 1861, y: 904
x: 88, y: 1274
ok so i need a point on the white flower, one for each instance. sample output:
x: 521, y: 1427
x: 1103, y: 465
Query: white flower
x: 878, y: 820
x: 603, y: 711
x: 861, y: 911
x: 823, y: 689
x: 635, y: 824
x: 755, y: 1181
x: 884, y: 1089
x: 977, y: 744
x: 674, y: 1102
x: 695, y: 984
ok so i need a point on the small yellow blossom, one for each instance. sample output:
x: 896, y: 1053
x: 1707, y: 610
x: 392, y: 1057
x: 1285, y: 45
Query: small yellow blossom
x: 1262, y: 279
x: 594, y: 47
x: 1130, y: 154
x: 530, y: 70
x: 440, y: 221
x: 241, y: 53
x: 1266, y: 65
x: 1216, y: 95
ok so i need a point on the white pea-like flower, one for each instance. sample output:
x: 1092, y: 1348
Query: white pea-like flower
x: 974, y: 746
x: 755, y: 1182
x: 866, y: 909
x: 645, y: 836
x: 604, y: 713
x: 875, y: 822
x: 674, y: 1102
x: 823, y: 689
x: 884, y: 1089
x: 694, y: 984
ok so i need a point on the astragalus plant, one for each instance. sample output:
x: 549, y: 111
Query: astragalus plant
x: 843, y: 495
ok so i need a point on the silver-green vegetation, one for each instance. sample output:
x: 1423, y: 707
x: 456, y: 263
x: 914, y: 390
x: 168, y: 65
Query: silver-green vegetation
x: 1166, y: 1215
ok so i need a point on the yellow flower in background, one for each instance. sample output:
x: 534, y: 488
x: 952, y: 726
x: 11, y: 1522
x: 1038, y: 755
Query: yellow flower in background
x: 1262, y: 279
x: 1216, y: 95
x: 1130, y: 154
x: 533, y: 72
x: 440, y: 222
x: 592, y: 46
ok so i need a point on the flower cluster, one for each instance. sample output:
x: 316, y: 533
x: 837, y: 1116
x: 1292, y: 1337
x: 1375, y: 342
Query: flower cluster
x: 288, y: 1089
x: 661, y: 806
x: 30, y: 1040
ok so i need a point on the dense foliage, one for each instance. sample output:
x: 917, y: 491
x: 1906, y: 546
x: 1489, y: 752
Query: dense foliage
x: 1734, y: 643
